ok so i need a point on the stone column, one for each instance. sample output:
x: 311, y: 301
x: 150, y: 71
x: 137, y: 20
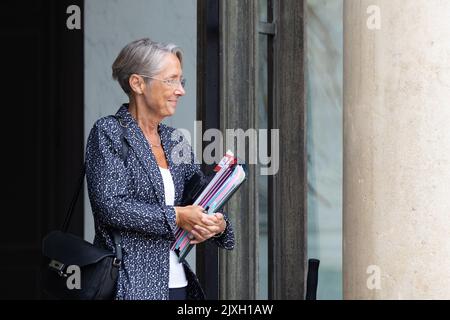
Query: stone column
x: 396, y: 149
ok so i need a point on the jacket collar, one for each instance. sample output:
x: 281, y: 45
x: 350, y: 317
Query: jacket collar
x: 138, y: 142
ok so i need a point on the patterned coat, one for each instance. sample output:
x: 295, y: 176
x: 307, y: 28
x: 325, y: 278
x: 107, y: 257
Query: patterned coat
x: 128, y: 196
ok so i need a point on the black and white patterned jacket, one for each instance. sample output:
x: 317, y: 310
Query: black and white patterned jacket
x: 128, y: 196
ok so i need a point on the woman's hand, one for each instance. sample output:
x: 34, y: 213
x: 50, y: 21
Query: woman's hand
x: 212, y: 225
x: 189, y: 216
x: 201, y: 226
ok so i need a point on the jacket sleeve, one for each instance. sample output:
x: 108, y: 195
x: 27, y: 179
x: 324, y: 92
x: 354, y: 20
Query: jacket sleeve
x: 226, y: 240
x: 111, y: 201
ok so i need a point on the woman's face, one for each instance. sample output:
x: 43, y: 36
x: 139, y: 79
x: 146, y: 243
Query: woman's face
x: 162, y: 97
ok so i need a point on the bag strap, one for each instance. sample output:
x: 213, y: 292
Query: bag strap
x: 116, y: 236
x: 71, y: 209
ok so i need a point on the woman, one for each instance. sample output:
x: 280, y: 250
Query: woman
x: 138, y: 195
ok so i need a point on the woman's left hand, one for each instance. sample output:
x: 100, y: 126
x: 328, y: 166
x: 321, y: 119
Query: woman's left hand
x: 213, y: 224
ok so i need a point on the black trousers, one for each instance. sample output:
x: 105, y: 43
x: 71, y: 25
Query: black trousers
x: 177, y: 293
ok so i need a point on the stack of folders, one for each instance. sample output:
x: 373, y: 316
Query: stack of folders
x: 228, y: 177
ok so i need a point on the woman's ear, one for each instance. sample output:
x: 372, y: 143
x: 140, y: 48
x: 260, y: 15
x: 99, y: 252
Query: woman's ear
x: 136, y: 84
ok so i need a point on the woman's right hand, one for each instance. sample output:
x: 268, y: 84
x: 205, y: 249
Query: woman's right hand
x: 190, y: 216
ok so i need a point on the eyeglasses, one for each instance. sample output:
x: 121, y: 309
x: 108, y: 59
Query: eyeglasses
x: 174, y: 83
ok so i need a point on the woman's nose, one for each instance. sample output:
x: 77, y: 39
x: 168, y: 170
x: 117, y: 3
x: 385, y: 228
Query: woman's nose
x: 180, y: 91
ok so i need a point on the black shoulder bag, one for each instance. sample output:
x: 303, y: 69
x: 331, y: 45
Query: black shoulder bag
x: 76, y: 269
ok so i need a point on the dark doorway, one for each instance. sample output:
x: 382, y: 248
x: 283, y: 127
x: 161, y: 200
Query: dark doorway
x: 43, y: 134
x: 208, y: 111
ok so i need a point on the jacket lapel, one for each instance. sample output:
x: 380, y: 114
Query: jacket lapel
x: 168, y: 144
x: 137, y: 141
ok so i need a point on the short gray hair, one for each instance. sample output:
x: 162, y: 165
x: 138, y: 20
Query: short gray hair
x: 142, y: 56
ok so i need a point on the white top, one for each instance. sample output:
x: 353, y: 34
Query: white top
x: 177, y: 276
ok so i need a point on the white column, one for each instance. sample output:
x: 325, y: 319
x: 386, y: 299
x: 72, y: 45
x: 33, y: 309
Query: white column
x: 396, y: 149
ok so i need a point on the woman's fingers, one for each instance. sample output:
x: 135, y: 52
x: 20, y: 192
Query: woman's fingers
x: 211, y: 220
x: 211, y: 225
x: 206, y: 221
x: 204, y: 232
x: 198, y: 238
x: 207, y: 232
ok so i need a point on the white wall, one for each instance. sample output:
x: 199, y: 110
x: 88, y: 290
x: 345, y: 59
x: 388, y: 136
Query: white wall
x: 109, y: 26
